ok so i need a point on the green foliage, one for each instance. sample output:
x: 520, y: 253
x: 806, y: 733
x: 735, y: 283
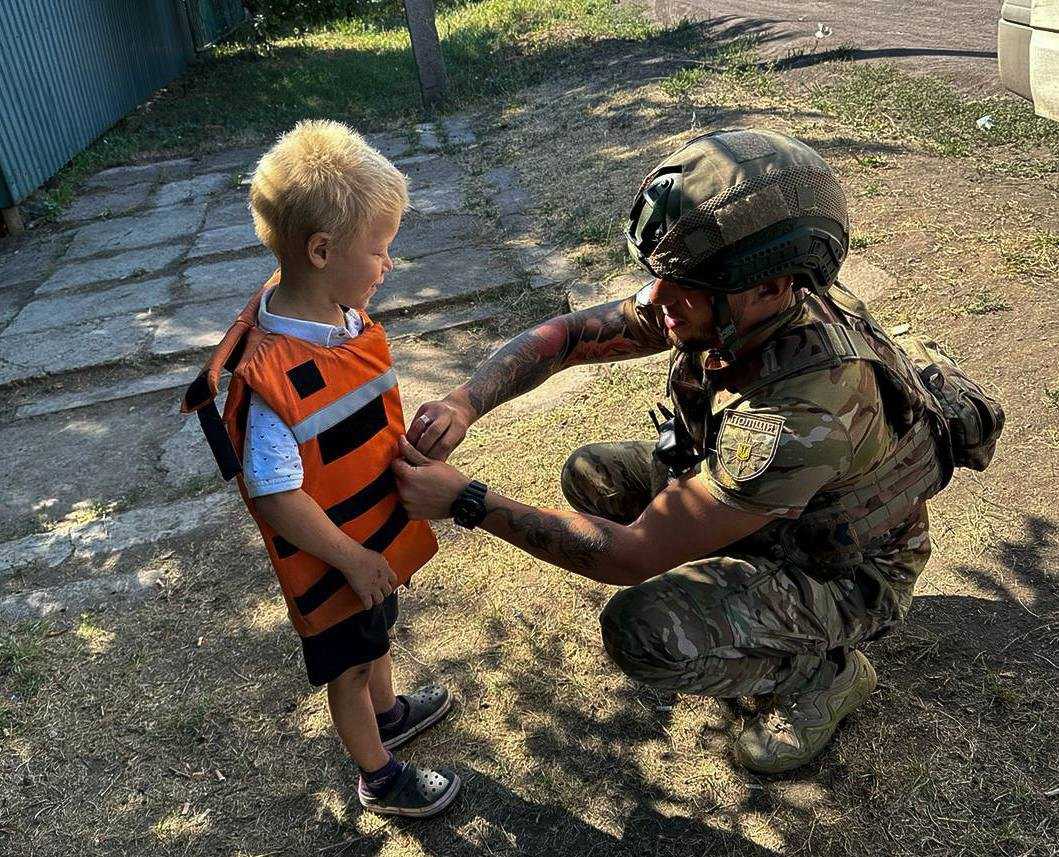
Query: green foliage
x: 880, y: 99
x: 350, y: 60
x: 734, y: 64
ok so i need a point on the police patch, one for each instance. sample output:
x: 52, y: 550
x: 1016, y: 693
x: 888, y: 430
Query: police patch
x: 747, y: 443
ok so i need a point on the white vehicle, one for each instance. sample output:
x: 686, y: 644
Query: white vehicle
x: 1028, y: 52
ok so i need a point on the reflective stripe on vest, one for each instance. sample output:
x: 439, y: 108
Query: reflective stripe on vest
x: 331, y: 415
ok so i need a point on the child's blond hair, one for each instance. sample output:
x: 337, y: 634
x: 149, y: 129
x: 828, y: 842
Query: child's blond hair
x: 322, y: 176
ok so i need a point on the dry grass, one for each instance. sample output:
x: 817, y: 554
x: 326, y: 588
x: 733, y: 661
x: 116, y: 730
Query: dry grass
x: 185, y: 726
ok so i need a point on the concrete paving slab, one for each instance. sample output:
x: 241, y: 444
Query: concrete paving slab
x: 447, y: 318
x: 867, y: 281
x: 83, y: 459
x: 427, y: 170
x: 229, y: 277
x: 458, y: 130
x: 12, y: 300
x: 65, y: 311
x: 228, y: 211
x: 27, y: 257
x: 81, y: 595
x: 191, y: 190
x: 227, y: 239
x: 427, y: 136
x: 135, y: 173
x: 176, y: 378
x: 132, y: 263
x: 231, y: 160
x: 113, y: 202
x: 437, y: 199
x: 186, y: 457
x: 422, y: 236
x: 581, y: 295
x: 113, y: 533
x: 196, y: 326
x: 443, y: 277
x: 81, y: 346
x: 508, y: 196
x: 157, y: 226
x: 390, y: 145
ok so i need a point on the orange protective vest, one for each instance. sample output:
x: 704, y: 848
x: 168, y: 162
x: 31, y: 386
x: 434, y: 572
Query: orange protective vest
x: 344, y: 408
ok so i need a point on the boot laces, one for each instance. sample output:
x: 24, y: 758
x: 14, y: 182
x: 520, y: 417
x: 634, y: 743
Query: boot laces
x: 782, y: 716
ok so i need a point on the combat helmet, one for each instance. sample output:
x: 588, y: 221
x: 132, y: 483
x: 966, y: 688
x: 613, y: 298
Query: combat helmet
x: 736, y: 207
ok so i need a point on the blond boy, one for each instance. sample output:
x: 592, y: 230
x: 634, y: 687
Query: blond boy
x: 311, y: 426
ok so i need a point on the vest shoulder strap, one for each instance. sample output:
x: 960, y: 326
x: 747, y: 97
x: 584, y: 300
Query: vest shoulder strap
x: 808, y: 348
x: 200, y: 397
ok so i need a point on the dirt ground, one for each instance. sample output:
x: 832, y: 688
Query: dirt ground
x: 954, y: 39
x: 185, y: 725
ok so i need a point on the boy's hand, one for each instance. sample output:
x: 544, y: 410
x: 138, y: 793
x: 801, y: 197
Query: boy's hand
x: 371, y: 578
x: 427, y: 488
x: 440, y: 426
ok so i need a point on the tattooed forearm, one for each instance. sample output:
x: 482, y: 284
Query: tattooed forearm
x: 594, y: 335
x: 569, y: 541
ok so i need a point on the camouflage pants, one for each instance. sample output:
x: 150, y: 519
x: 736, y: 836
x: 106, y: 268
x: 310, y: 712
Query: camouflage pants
x: 727, y: 626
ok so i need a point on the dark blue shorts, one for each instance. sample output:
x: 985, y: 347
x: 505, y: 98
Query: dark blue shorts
x: 360, y: 639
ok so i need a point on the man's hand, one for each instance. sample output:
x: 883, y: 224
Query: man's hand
x: 371, y: 578
x: 427, y: 488
x: 440, y: 426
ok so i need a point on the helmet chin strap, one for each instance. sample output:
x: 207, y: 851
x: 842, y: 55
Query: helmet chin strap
x: 732, y: 341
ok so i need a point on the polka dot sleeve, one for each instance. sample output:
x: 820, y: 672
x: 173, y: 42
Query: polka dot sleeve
x: 271, y: 462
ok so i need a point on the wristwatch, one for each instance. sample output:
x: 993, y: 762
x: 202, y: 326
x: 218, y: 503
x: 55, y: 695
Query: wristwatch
x: 468, y: 509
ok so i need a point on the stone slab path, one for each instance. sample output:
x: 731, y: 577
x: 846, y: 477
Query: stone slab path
x: 104, y: 321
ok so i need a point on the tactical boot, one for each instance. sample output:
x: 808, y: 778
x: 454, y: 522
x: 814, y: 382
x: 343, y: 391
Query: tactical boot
x: 799, y: 727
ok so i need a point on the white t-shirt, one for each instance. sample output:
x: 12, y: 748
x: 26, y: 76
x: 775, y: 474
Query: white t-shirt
x: 271, y: 462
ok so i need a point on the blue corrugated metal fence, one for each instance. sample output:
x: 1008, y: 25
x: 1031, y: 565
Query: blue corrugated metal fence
x: 69, y: 69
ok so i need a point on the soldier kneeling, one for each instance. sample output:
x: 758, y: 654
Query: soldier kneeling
x: 780, y: 520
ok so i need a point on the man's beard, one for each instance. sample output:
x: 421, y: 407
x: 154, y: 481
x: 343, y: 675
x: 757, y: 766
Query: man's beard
x: 692, y: 343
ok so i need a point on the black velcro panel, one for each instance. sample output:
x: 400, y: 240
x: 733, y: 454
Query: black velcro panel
x: 367, y: 497
x: 306, y: 379
x: 356, y: 429
x: 383, y: 537
x: 346, y: 510
x: 332, y: 581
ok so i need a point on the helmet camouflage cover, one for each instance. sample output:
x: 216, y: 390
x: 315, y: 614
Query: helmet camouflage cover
x: 736, y: 207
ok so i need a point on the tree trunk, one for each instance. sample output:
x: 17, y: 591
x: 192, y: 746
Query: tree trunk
x: 433, y: 81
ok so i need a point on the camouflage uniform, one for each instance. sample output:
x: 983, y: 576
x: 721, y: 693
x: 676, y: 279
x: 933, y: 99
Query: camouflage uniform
x: 836, y: 566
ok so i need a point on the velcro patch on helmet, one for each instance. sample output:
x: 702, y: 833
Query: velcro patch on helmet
x: 746, y: 145
x: 751, y: 214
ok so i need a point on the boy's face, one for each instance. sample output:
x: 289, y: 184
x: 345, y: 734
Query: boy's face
x: 356, y: 267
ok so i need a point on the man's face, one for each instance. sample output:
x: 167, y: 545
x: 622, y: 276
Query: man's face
x: 687, y: 315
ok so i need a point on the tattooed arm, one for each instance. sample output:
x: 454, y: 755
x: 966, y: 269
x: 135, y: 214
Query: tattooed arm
x: 683, y: 523
x: 597, y: 335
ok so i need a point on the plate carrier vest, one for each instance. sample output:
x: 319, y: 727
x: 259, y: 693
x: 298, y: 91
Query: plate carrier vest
x: 842, y: 525
x: 343, y: 406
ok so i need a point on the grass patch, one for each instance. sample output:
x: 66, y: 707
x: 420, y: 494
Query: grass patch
x: 885, y: 101
x: 358, y: 70
x: 1032, y: 254
x: 986, y: 303
x: 734, y: 64
x: 22, y: 661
